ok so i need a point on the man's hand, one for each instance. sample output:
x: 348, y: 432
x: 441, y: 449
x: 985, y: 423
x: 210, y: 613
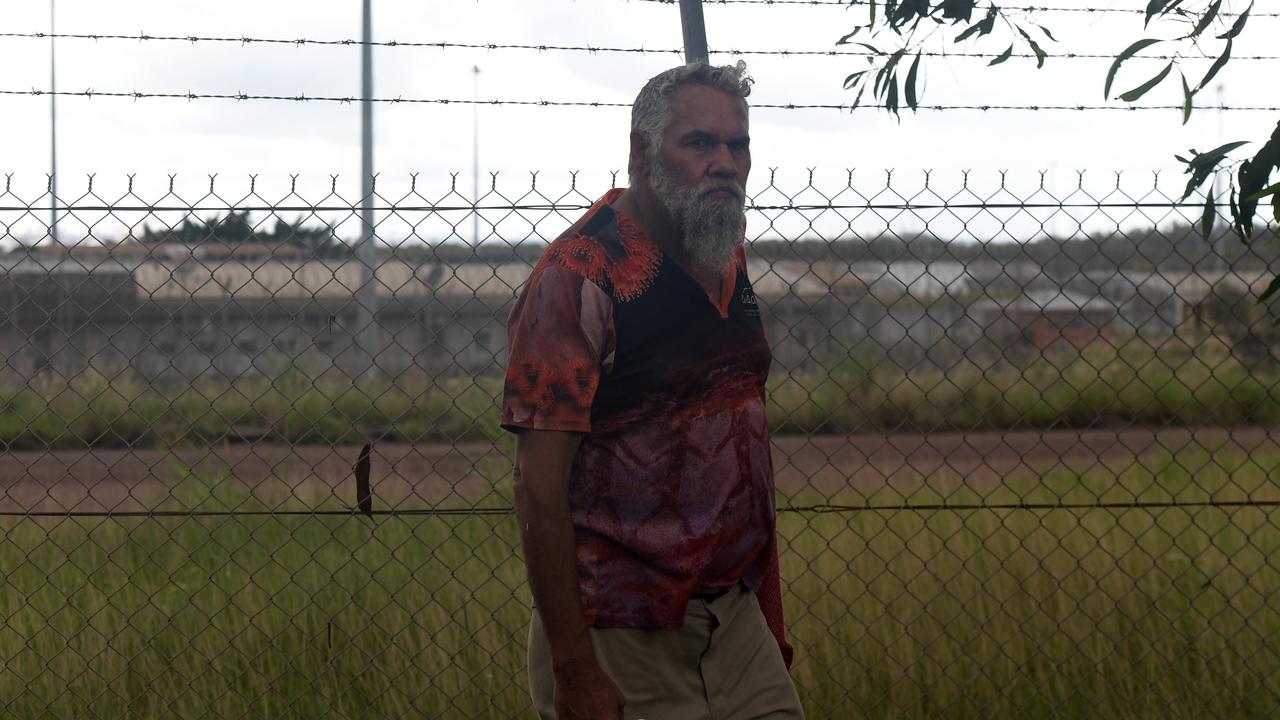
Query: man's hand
x: 584, y: 691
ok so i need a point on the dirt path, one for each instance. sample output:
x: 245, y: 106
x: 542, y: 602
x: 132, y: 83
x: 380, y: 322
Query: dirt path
x: 467, y: 474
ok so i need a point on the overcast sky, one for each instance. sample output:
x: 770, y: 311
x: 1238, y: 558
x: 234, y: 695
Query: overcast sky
x: 154, y: 138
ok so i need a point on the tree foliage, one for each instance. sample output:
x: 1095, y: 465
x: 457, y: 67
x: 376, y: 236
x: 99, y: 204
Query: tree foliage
x: 236, y: 227
x: 896, y: 31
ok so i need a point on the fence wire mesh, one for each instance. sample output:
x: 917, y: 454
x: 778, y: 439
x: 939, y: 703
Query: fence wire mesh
x: 1025, y: 439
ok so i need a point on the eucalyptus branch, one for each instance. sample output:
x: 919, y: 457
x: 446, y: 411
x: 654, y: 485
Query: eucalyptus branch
x: 891, y: 35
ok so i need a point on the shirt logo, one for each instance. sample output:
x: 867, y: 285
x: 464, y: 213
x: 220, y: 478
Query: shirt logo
x: 747, y: 299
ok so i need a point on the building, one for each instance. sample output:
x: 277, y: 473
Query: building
x: 1047, y: 320
x: 234, y: 310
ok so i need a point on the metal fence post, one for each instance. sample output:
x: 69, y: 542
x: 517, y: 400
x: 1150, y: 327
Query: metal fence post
x: 695, y: 31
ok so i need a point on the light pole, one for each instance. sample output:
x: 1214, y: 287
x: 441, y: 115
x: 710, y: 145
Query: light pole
x: 53, y: 132
x: 475, y: 155
x: 366, y: 298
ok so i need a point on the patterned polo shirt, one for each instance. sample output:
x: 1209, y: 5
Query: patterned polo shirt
x: 671, y: 491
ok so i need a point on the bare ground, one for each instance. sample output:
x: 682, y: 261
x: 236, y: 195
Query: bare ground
x: 472, y: 474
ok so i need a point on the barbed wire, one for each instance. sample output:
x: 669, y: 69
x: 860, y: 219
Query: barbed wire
x: 241, y: 96
x: 300, y: 42
x: 1025, y: 8
x: 247, y: 41
x: 565, y: 207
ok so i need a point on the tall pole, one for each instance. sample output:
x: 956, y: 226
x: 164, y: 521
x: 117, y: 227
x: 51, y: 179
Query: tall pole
x: 695, y: 31
x: 366, y: 331
x: 53, y: 133
x: 475, y: 154
x: 1219, y: 262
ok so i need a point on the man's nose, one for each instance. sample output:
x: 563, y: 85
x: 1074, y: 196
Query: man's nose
x: 723, y: 164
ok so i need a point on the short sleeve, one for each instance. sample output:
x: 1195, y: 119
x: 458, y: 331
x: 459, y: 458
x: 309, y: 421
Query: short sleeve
x: 559, y: 336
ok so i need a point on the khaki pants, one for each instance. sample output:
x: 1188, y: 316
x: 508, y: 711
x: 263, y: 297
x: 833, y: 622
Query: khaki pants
x: 724, y: 664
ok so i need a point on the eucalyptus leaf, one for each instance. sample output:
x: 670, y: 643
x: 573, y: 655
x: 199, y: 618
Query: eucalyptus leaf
x: 1217, y: 65
x: 1040, y: 53
x: 982, y: 27
x: 1154, y: 8
x: 854, y: 79
x: 1265, y: 192
x: 1235, y: 211
x: 1239, y: 24
x: 958, y: 10
x: 1201, y: 165
x: 1205, y: 20
x: 912, y: 75
x: 1272, y: 287
x: 1128, y: 53
x: 1210, y: 215
x: 1138, y: 92
x: 908, y: 12
x: 1160, y: 7
x: 845, y: 38
x: 1254, y: 175
x: 1035, y: 47
x: 1002, y: 57
x: 1187, y: 96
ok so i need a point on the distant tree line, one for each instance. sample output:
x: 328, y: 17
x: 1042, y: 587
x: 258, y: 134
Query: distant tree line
x: 1175, y: 247
x: 236, y: 227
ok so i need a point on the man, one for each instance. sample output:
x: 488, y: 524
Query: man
x: 643, y: 481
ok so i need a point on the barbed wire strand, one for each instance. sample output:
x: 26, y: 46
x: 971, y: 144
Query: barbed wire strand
x: 1023, y: 9
x: 137, y: 95
x: 565, y: 207
x: 246, y: 41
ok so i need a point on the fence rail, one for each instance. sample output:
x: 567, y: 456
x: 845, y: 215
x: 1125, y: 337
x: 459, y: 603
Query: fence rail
x: 1025, y: 442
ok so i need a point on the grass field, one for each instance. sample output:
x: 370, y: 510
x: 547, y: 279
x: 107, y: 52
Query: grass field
x: 1133, y: 383
x: 978, y: 613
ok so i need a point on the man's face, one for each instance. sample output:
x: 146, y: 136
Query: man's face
x: 700, y: 171
x: 706, y: 143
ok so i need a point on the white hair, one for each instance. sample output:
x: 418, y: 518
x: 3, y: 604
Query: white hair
x: 651, y: 112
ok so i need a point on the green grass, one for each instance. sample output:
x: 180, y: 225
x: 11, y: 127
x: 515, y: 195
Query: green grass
x: 91, y: 412
x: 1103, y: 385
x: 1131, y: 383
x: 1073, y: 613
x: 1138, y: 613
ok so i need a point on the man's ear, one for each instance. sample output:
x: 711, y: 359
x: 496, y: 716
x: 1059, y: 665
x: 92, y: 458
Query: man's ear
x: 640, y: 153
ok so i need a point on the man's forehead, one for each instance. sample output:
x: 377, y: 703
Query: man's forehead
x: 707, y: 108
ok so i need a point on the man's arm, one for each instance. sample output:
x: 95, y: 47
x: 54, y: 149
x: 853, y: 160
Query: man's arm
x: 543, y: 461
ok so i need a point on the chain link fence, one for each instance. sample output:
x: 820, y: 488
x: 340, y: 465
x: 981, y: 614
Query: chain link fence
x: 1025, y: 438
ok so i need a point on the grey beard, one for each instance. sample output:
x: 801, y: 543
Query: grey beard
x: 711, y: 226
